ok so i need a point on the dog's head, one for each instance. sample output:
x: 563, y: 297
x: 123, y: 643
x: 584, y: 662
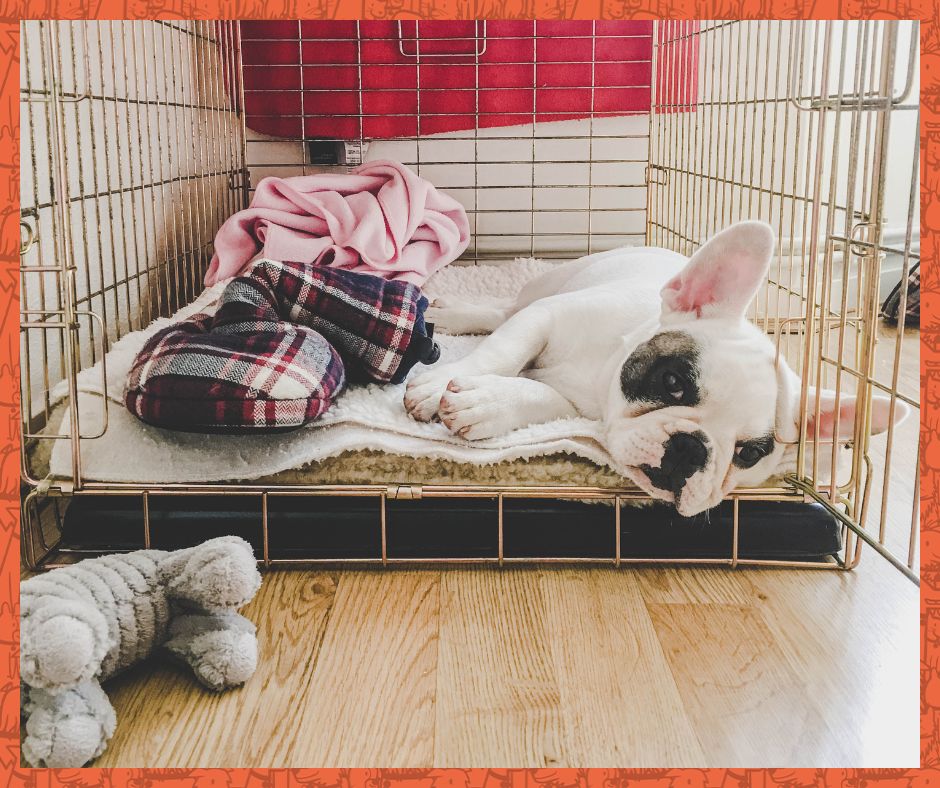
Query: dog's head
x: 701, y: 406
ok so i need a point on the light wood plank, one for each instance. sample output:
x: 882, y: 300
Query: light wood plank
x: 371, y: 697
x: 165, y: 718
x: 618, y: 697
x: 497, y: 696
x: 747, y: 706
x: 705, y: 585
x: 291, y: 632
x: 551, y: 666
x: 854, y: 639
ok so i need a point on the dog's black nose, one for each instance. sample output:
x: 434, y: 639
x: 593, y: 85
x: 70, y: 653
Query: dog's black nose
x: 684, y: 454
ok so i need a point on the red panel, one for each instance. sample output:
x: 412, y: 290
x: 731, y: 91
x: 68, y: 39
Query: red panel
x: 271, y: 103
x: 573, y: 100
x: 382, y: 128
x: 401, y: 77
x: 381, y: 51
x: 271, y: 77
x: 256, y: 29
x: 392, y: 102
x: 443, y: 123
x: 331, y: 128
x: 440, y: 102
x: 507, y: 76
x: 509, y: 28
x: 270, y: 53
x: 443, y: 28
x: 622, y: 74
x: 614, y: 100
x: 620, y: 49
x: 564, y: 50
x: 506, y: 100
x: 548, y: 29
x: 326, y: 29
x: 330, y: 52
x: 278, y: 127
x: 624, y: 27
x: 457, y: 39
x: 519, y: 77
x: 453, y: 76
x: 498, y: 121
x: 334, y: 102
x: 341, y: 77
x: 508, y: 50
x: 375, y: 29
x: 564, y: 75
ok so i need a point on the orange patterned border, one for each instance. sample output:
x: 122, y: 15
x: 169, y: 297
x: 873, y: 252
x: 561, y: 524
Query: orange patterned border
x: 11, y: 11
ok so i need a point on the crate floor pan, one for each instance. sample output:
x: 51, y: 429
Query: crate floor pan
x: 341, y: 529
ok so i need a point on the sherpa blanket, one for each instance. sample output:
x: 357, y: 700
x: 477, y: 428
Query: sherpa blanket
x: 381, y: 219
x: 365, y: 417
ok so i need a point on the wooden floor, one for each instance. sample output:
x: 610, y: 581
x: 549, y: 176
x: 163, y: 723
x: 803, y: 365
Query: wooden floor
x: 561, y: 667
x: 551, y: 667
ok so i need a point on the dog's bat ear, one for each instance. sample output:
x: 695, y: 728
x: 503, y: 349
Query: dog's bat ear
x: 722, y: 277
x: 842, y: 418
x: 836, y: 414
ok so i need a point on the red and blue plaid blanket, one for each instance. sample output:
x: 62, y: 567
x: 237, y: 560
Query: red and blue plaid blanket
x: 373, y: 323
x: 279, y: 349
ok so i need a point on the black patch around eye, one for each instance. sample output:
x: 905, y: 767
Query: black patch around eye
x: 663, y: 370
x: 750, y: 452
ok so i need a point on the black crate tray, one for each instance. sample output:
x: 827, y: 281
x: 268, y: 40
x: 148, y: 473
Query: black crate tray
x: 343, y: 527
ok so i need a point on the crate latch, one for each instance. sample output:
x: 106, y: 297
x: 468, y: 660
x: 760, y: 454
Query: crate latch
x: 655, y: 174
x: 54, y: 488
x: 403, y: 492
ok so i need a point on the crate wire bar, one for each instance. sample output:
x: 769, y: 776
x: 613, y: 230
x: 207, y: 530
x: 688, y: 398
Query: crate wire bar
x: 138, y: 143
x: 796, y: 131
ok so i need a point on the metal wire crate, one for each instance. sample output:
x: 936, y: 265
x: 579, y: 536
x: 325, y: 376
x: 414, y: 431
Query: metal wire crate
x: 138, y: 142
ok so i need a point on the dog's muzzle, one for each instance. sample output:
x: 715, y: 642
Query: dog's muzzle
x: 684, y: 454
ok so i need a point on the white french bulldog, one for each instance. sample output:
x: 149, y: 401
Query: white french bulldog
x: 658, y: 347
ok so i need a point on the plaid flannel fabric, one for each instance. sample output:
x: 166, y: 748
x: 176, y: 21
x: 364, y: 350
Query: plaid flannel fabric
x: 272, y: 357
x: 376, y: 325
x: 243, y: 369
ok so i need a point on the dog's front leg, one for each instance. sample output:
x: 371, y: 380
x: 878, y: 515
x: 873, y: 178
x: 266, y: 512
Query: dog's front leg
x: 484, y: 406
x: 507, y: 351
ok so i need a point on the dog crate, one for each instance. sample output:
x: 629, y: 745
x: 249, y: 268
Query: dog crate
x: 560, y: 139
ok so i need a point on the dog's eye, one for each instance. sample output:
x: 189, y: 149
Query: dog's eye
x: 673, y: 385
x: 747, y: 455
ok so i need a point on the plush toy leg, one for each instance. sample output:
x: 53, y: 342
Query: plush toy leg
x: 69, y: 729
x: 221, y: 648
x: 220, y: 573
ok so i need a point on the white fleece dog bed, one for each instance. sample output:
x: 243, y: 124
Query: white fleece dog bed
x: 363, y: 418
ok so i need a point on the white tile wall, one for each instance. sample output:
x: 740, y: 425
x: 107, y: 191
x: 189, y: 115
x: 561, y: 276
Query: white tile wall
x: 579, y: 176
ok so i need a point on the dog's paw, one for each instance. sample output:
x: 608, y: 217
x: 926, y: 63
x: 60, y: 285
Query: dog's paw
x: 473, y: 408
x: 424, y: 391
x: 442, y: 316
x: 454, y: 316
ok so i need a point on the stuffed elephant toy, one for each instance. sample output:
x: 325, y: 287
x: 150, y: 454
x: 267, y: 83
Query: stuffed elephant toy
x: 82, y: 624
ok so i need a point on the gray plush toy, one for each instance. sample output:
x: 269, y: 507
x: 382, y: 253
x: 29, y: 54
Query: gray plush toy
x: 82, y: 624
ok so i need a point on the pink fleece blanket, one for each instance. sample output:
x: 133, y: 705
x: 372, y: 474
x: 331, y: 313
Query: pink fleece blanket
x: 381, y: 219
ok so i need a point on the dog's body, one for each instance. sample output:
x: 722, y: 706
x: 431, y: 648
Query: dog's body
x: 651, y: 343
x: 573, y: 324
